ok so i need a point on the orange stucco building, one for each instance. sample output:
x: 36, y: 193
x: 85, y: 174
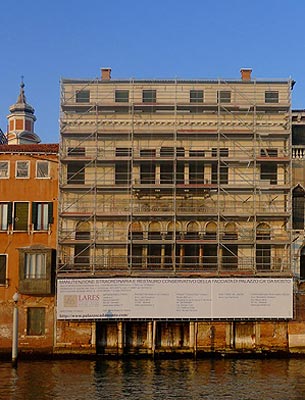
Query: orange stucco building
x: 28, y: 220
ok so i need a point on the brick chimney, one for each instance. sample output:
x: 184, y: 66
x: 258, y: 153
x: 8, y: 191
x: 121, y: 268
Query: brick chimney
x: 106, y: 74
x: 245, y: 74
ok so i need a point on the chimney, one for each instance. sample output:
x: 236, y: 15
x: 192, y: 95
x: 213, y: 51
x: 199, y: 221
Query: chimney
x: 246, y: 74
x: 106, y: 74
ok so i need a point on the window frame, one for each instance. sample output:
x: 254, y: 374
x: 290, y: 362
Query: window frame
x: 42, y: 215
x: 85, y: 98
x: 7, y: 176
x: 28, y: 169
x: 270, y: 98
x: 35, y: 267
x: 149, y: 99
x: 222, y: 97
x: 194, y: 98
x: 37, y: 169
x: 32, y: 320
x: 3, y: 274
x: 37, y: 278
x: 118, y: 93
x: 5, y: 216
x: 16, y: 216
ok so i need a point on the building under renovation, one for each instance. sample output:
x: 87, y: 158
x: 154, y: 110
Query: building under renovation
x: 165, y: 186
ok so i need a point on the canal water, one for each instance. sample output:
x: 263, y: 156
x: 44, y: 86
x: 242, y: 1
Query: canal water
x: 245, y: 379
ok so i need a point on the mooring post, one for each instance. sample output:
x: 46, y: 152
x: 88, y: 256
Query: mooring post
x: 15, y: 332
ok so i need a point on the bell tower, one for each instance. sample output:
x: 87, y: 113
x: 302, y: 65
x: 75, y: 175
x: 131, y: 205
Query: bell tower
x: 20, y: 128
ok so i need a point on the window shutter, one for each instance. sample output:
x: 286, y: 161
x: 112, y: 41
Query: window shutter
x: 2, y: 269
x: 9, y: 213
x: 34, y: 214
x: 50, y: 213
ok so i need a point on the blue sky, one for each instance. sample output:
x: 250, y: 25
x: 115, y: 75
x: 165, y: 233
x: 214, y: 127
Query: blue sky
x: 46, y: 40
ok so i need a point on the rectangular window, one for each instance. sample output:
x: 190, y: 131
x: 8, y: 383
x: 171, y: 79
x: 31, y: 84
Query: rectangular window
x: 223, y: 96
x: 122, y: 173
x: 269, y: 172
x: 82, y: 96
x: 147, y: 153
x: 223, y: 174
x: 268, y: 152
x: 147, y: 173
x: 35, y: 266
x: 3, y: 269
x: 36, y: 321
x: 22, y: 169
x: 223, y: 152
x: 123, y: 152
x: 4, y: 169
x: 167, y: 152
x: 197, y: 153
x: 42, y: 169
x: 42, y: 215
x: 166, y: 172
x: 76, y: 151
x: 76, y: 173
x: 21, y: 216
x: 5, y: 215
x: 196, y: 96
x: 149, y: 96
x: 122, y: 96
x: 271, y: 96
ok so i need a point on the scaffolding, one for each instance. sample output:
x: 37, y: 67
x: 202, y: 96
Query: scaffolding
x: 175, y: 178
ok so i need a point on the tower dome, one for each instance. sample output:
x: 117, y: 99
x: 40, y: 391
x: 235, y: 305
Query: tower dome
x: 20, y: 129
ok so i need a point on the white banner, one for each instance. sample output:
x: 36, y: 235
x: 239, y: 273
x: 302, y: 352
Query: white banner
x: 141, y: 298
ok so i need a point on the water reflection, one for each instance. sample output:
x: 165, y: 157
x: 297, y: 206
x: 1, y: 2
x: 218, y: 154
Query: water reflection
x: 154, y: 380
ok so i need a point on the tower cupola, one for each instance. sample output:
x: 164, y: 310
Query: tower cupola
x: 20, y: 129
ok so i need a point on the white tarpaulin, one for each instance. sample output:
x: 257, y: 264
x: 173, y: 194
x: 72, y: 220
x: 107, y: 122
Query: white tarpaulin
x: 144, y: 298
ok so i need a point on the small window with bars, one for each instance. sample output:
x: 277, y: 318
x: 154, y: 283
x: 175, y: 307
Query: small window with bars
x: 196, y: 96
x: 82, y: 96
x: 149, y: 96
x: 121, y: 96
x: 223, y: 96
x: 271, y: 96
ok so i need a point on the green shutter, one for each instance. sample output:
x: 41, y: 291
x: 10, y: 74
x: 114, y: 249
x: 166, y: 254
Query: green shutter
x: 21, y: 216
x: 50, y: 213
x: 34, y: 214
x: 9, y: 213
x: 2, y: 269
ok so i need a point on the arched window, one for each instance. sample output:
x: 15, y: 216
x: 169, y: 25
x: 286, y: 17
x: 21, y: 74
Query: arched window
x: 82, y: 246
x: 230, y: 247
x: 154, y: 245
x: 298, y: 202
x: 135, y: 249
x: 263, y: 250
x: 191, y: 249
x: 173, y: 232
x: 210, y: 249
